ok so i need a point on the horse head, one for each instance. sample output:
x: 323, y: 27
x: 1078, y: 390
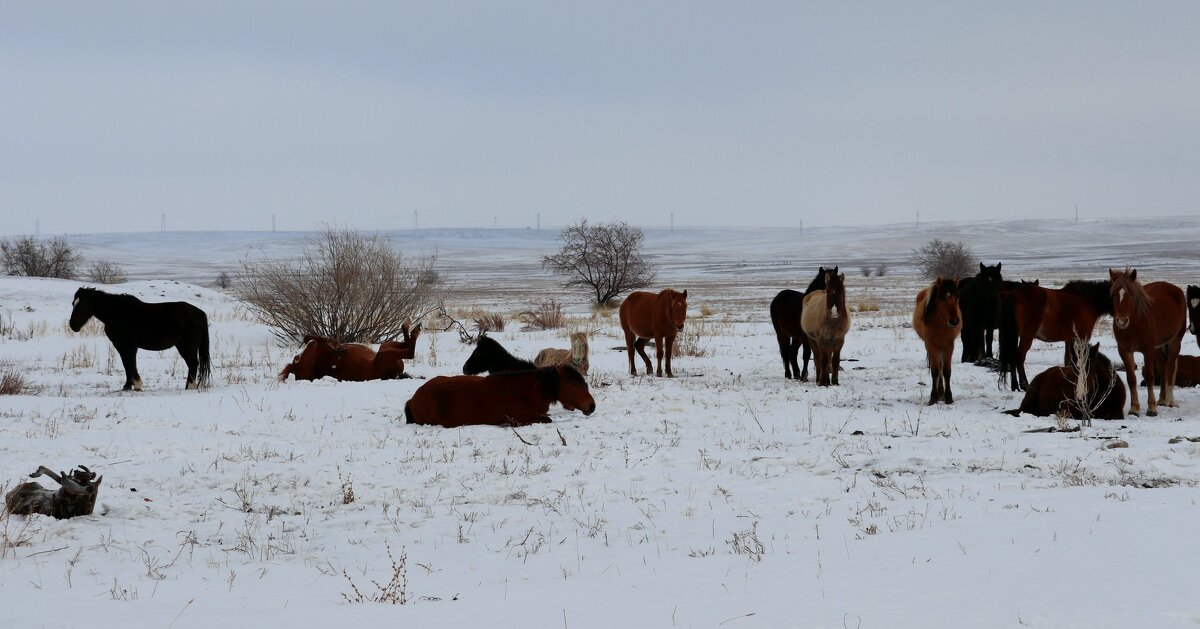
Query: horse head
x: 1128, y: 298
x: 944, y: 298
x: 678, y: 308
x: 573, y: 391
x: 579, y: 346
x: 1193, y: 305
x: 82, y: 307
x: 835, y: 292
x: 990, y: 273
x: 478, y: 358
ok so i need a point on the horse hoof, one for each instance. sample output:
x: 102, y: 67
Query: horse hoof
x: 1152, y: 413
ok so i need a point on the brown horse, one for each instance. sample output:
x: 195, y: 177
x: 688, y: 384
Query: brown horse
x: 825, y: 321
x: 1148, y: 319
x: 786, y: 309
x: 937, y: 319
x: 353, y: 362
x: 1055, y: 315
x: 511, y: 398
x: 646, y: 316
x: 1187, y: 370
x: 1055, y: 391
x: 576, y: 357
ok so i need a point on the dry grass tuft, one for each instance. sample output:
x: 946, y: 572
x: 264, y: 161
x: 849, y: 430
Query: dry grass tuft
x: 547, y: 315
x: 12, y: 383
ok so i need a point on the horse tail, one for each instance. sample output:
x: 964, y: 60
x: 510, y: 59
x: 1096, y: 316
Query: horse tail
x: 1008, y: 336
x: 204, y: 372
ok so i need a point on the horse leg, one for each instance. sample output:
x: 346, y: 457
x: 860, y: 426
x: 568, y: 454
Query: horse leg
x: 836, y: 363
x: 658, y: 354
x: 807, y: 345
x: 785, y: 352
x: 630, y: 340
x: 1022, y: 351
x: 970, y: 346
x: 1135, y: 407
x: 793, y: 352
x: 129, y: 360
x: 190, y: 357
x: 1171, y: 371
x: 1151, y: 356
x: 823, y: 357
x: 947, y: 365
x: 987, y: 346
x: 670, y: 350
x: 935, y: 378
x: 640, y: 346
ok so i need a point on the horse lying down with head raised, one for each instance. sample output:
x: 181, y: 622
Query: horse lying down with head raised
x: 1100, y: 394
x: 76, y: 494
x: 510, y: 398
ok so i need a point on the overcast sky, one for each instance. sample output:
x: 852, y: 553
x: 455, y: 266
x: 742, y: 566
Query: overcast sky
x: 220, y: 114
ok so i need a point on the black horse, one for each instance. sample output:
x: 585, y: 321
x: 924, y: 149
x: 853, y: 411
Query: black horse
x: 131, y: 323
x: 491, y: 357
x: 979, y: 299
x: 1193, y: 306
x: 786, y: 309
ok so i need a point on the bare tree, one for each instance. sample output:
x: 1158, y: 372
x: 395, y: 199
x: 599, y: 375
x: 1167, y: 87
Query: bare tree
x: 105, y: 272
x: 30, y: 257
x: 223, y: 280
x: 345, y: 285
x: 606, y: 259
x: 942, y: 258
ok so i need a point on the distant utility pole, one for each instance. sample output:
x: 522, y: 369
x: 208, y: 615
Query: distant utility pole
x: 495, y: 223
x: 162, y: 222
x: 672, y: 221
x: 801, y: 226
x: 1076, y: 212
x: 37, y: 227
x: 539, y: 221
x: 918, y: 218
x: 272, y: 222
x: 414, y: 220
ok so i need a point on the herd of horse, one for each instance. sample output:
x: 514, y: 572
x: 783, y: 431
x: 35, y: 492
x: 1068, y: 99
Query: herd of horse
x: 1149, y: 319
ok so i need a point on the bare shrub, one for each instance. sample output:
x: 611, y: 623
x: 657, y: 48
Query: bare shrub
x: 489, y: 322
x: 345, y: 285
x: 865, y: 270
x: 881, y: 269
x: 12, y: 382
x: 394, y: 592
x: 689, y: 341
x: 547, y: 315
x: 223, y: 280
x: 105, y: 272
x: 606, y: 259
x: 942, y: 258
x: 748, y: 543
x: 705, y: 311
x: 30, y: 257
x: 867, y: 304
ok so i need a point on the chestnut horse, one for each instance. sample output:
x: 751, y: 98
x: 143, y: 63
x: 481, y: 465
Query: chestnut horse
x: 825, y: 321
x: 937, y: 319
x: 1193, y: 304
x: 646, y: 316
x: 1148, y: 319
x: 1055, y: 391
x: 576, y: 357
x: 512, y: 398
x: 352, y: 362
x: 1187, y: 370
x: 785, y: 318
x: 1030, y: 311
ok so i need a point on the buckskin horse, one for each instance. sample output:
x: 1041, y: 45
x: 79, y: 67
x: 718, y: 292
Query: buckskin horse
x: 826, y: 320
x: 646, y: 316
x: 786, y: 310
x: 511, y: 398
x: 133, y: 324
x: 1048, y: 314
x: 1148, y: 319
x: 576, y: 357
x: 937, y: 319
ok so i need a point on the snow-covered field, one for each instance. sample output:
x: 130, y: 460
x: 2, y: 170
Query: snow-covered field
x: 727, y: 496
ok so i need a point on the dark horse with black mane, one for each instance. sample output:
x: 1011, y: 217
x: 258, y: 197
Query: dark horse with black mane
x: 1048, y: 314
x: 490, y: 356
x: 979, y: 299
x: 133, y: 324
x: 1056, y: 391
x: 786, y: 309
x: 1193, y: 307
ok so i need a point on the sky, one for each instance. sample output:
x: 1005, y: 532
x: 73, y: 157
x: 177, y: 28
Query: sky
x: 221, y: 115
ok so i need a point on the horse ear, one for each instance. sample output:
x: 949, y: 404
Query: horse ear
x: 998, y: 265
x: 1112, y: 275
x: 1133, y: 274
x: 685, y: 293
x: 835, y: 270
x: 982, y: 268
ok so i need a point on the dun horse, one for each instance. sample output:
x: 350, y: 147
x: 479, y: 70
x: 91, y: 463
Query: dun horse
x: 490, y: 356
x: 1148, y: 319
x: 786, y: 309
x: 825, y: 321
x: 576, y: 357
x: 646, y: 316
x: 1055, y: 315
x: 979, y: 299
x: 937, y: 319
x: 1089, y: 389
x: 131, y: 323
x: 512, y: 398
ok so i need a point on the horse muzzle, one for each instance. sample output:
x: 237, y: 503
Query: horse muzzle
x: 1121, y: 323
x: 679, y: 328
x: 589, y: 409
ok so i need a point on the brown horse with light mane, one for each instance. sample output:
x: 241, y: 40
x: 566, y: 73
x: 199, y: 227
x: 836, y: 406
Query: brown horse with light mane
x: 510, y: 398
x: 937, y: 319
x: 646, y: 316
x: 352, y: 362
x: 1148, y: 319
x: 825, y: 320
x: 576, y: 357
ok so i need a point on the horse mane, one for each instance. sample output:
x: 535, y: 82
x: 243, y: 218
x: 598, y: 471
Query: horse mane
x: 1097, y: 293
x: 818, y: 282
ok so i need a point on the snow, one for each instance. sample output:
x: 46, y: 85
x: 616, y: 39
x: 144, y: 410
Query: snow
x: 727, y: 496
